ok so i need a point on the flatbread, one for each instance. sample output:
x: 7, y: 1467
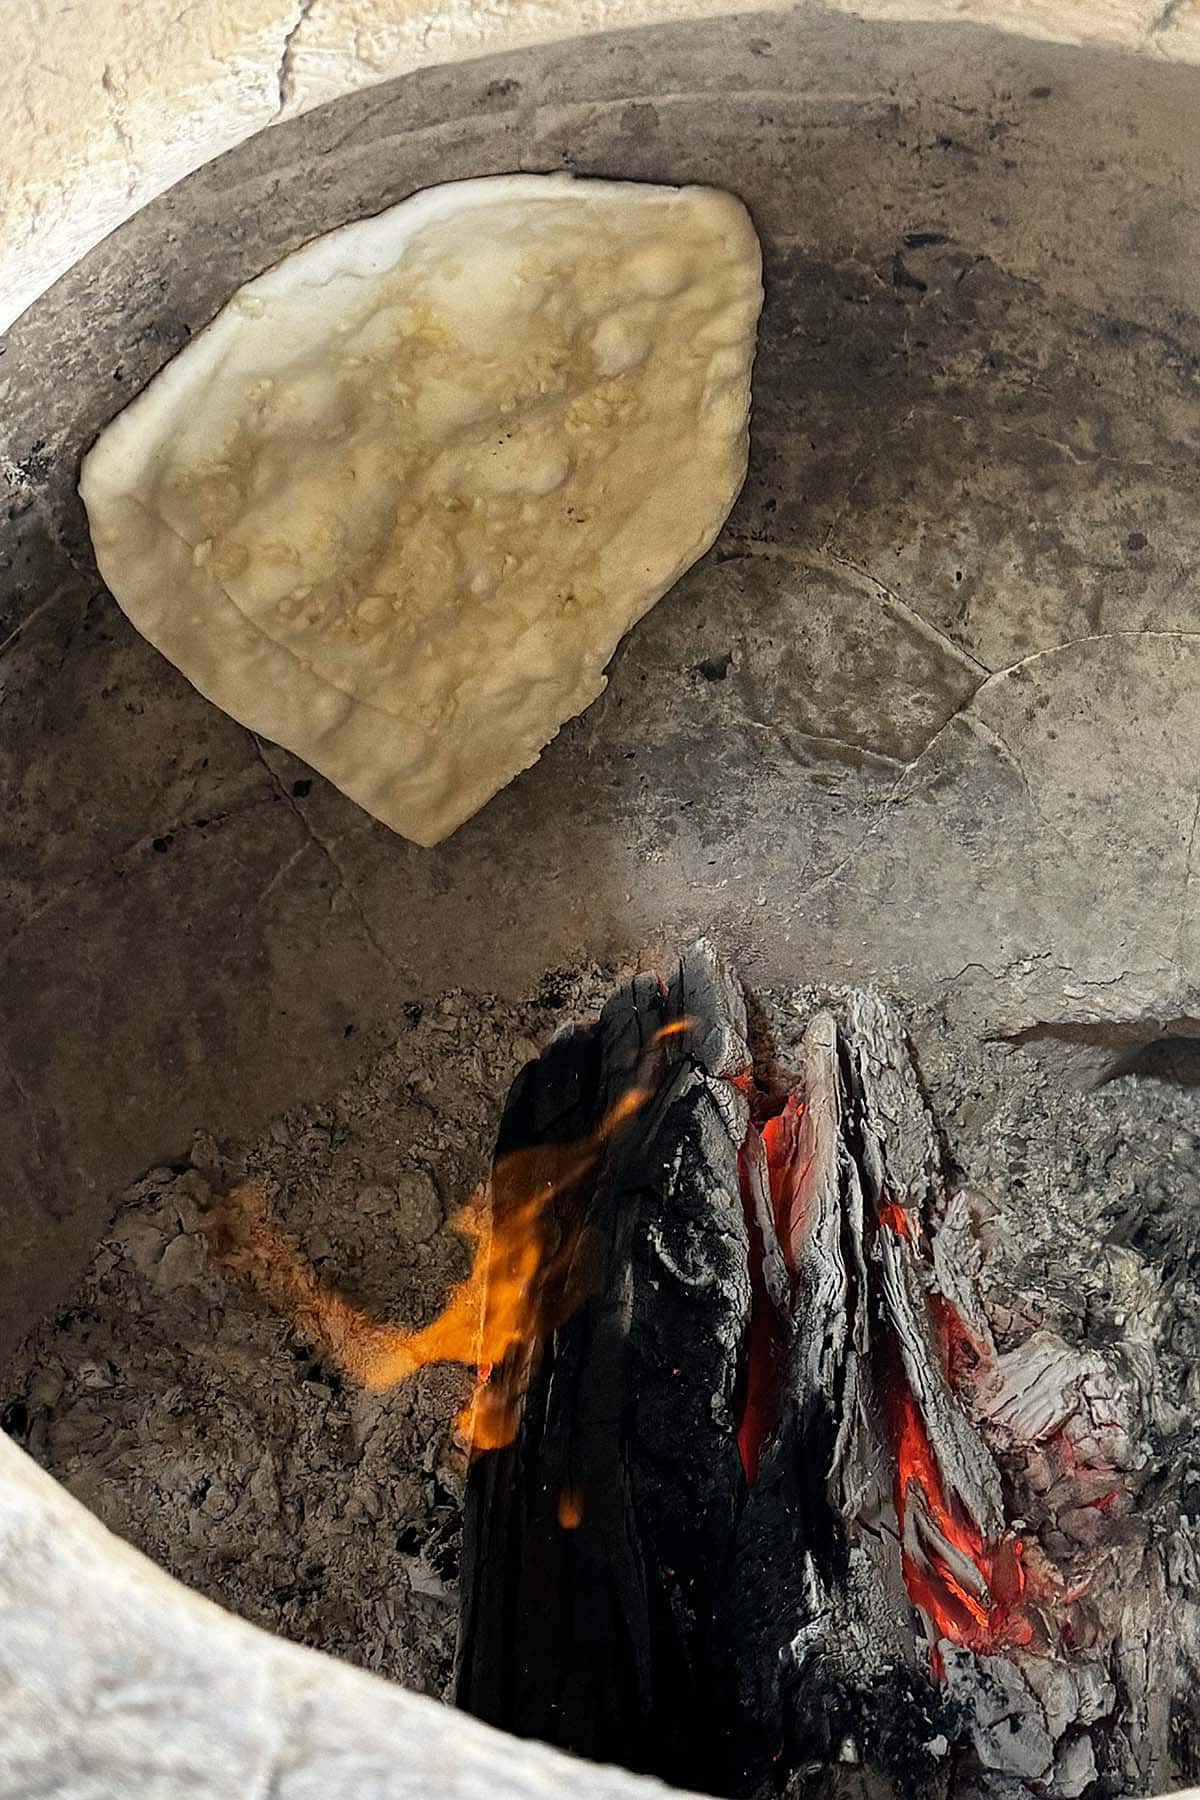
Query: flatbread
x: 396, y: 507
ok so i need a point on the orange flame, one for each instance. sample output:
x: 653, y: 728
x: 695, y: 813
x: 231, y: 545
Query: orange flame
x: 570, y: 1509
x: 505, y: 1305
x: 494, y: 1319
x: 760, y: 1399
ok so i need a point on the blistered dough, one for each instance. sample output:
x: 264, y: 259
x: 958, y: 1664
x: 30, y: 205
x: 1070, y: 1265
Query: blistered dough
x: 396, y: 507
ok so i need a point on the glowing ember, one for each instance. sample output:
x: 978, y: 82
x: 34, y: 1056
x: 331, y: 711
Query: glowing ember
x: 525, y: 1282
x: 781, y: 1153
x: 960, y: 1348
x: 789, y: 1159
x: 970, y: 1590
x: 893, y: 1215
x: 760, y: 1401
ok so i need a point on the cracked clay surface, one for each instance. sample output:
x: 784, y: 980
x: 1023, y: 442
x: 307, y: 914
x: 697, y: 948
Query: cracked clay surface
x: 925, y: 716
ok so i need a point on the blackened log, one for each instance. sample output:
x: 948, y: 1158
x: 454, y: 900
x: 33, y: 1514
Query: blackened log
x: 597, y: 1542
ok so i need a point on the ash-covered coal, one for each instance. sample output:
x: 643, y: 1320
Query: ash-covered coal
x: 1069, y: 1250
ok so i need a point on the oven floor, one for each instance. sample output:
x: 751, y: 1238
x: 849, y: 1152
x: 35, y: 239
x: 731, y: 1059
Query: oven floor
x: 199, y: 1425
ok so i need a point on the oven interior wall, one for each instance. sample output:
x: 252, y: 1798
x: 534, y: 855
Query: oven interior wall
x: 924, y: 716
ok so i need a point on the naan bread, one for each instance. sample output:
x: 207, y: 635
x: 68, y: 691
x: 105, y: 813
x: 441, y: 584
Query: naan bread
x: 396, y: 507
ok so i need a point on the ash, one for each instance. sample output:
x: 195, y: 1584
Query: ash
x: 203, y: 1429
x: 200, y: 1427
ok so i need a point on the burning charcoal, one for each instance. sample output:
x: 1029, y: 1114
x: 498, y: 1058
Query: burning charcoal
x: 619, y: 1503
x: 743, y: 1525
x: 735, y: 1514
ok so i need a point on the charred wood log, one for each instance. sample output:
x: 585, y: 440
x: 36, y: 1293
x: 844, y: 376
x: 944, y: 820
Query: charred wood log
x: 596, y: 1541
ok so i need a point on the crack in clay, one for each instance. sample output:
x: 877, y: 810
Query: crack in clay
x: 558, y: 111
x: 422, y: 134
x: 963, y: 712
x: 111, y: 858
x: 990, y: 734
x: 881, y: 817
x: 23, y: 625
x: 287, y: 58
x: 829, y: 562
x: 1182, y: 933
x: 11, y: 1071
x: 326, y: 849
x: 1094, y: 637
x: 284, y: 870
x: 27, y: 923
x: 1024, y: 965
x: 789, y: 740
x: 1091, y: 638
x: 1165, y: 18
x: 533, y: 118
x: 48, y: 510
x: 180, y: 824
x: 35, y: 1110
x: 115, y: 103
x: 1093, y: 459
x: 908, y: 612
